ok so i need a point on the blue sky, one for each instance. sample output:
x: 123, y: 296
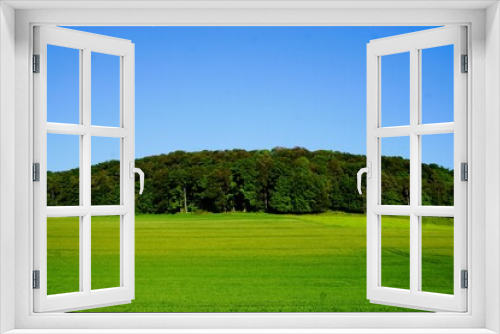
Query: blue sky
x: 220, y: 88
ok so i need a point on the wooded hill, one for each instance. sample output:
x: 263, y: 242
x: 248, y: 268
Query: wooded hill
x: 280, y: 180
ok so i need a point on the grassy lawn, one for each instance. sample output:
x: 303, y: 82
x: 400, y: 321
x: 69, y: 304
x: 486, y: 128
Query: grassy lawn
x: 246, y: 262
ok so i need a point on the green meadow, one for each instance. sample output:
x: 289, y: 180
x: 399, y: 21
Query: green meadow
x: 250, y: 262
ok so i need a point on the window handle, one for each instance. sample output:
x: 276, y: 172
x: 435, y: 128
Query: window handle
x: 134, y: 170
x: 368, y: 171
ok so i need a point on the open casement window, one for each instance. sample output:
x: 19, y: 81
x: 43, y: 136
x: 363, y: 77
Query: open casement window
x: 95, y: 273
x: 412, y: 127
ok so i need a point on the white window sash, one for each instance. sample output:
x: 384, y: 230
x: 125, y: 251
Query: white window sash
x: 85, y: 298
x: 414, y: 43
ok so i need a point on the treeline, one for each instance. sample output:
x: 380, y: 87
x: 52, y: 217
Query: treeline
x: 280, y: 180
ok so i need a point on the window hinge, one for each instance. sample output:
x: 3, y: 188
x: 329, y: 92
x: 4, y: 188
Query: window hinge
x: 36, y: 172
x: 465, y: 279
x: 36, y: 63
x: 464, y: 171
x: 465, y: 64
x: 36, y: 279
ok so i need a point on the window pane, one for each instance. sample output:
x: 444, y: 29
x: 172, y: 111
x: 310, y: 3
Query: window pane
x: 437, y: 169
x: 437, y: 84
x: 105, y: 171
x: 63, y: 170
x: 395, y: 89
x: 63, y: 85
x: 437, y: 254
x: 63, y: 255
x: 395, y: 252
x: 105, y: 257
x: 395, y: 164
x: 105, y: 90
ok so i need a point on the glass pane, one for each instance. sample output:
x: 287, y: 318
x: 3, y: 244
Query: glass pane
x: 105, y: 257
x: 63, y: 85
x: 437, y: 84
x: 395, y: 165
x: 105, y: 171
x: 105, y: 90
x: 63, y: 170
x: 395, y: 262
x: 395, y: 89
x: 63, y: 255
x: 437, y: 169
x: 437, y: 254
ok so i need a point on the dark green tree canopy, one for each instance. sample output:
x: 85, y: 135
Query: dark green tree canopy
x: 280, y: 180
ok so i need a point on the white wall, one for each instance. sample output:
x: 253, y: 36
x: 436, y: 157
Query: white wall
x: 492, y: 165
x: 7, y: 163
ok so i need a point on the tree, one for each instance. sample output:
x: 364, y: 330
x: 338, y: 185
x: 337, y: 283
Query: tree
x: 280, y: 180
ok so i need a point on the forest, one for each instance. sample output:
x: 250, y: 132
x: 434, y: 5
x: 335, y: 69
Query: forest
x: 281, y: 180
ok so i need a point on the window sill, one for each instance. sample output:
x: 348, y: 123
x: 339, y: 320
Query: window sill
x: 251, y: 331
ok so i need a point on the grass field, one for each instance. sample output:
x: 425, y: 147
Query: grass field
x: 245, y: 262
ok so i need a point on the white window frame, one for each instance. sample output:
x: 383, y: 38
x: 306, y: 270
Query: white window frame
x: 414, y: 43
x: 483, y: 124
x: 85, y: 43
